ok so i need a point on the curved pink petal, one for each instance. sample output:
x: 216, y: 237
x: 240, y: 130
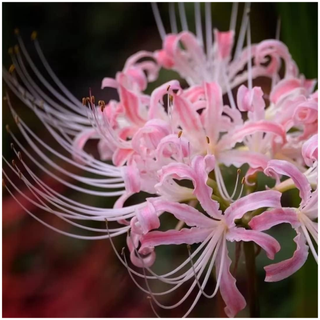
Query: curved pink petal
x: 224, y: 41
x: 284, y: 88
x: 237, y: 135
x: 131, y: 105
x: 120, y: 156
x: 198, y: 174
x: 232, y: 297
x: 187, y: 236
x: 213, y: 111
x: 191, y: 216
x: 109, y: 83
x: 158, y: 94
x: 310, y: 150
x: 270, y: 245
x: 238, y: 158
x: 281, y: 167
x: 147, y: 138
x: 251, y: 101
x: 131, y: 178
x: 148, y: 217
x: 253, y: 201
x: 187, y: 117
x: 268, y: 219
x: 306, y: 112
x: 80, y: 141
x: 284, y: 269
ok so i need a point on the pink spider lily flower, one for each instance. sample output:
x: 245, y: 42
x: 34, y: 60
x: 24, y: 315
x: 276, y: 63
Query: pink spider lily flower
x: 301, y: 219
x: 212, y: 232
x: 201, y: 60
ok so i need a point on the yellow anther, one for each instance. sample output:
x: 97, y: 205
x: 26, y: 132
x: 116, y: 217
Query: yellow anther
x: 7, y: 128
x: 84, y: 101
x: 11, y: 68
x: 10, y: 50
x: 168, y: 88
x: 171, y: 99
x: 238, y: 171
x: 243, y: 180
x: 180, y: 134
x: 16, y: 31
x: 102, y: 105
x: 34, y: 35
x: 208, y: 140
x: 16, y: 48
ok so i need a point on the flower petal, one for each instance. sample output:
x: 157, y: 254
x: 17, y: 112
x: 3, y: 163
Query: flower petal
x: 187, y: 236
x: 228, y: 141
x: 280, y: 167
x: 80, y: 141
x: 310, y: 150
x: 270, y: 245
x: 191, y: 216
x: 253, y: 201
x: 284, y: 269
x: 268, y: 219
x: 230, y: 294
x: 213, y: 110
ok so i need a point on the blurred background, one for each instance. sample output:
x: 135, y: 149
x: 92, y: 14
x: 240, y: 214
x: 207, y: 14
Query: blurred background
x: 46, y: 274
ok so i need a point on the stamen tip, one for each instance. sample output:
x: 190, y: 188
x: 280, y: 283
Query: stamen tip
x: 239, y: 171
x: 12, y: 145
x: 180, y: 134
x: 3, y: 183
x: 34, y: 35
x: 16, y: 48
x: 84, y: 101
x: 7, y: 128
x: 243, y: 180
x: 208, y: 140
x: 10, y: 50
x: 168, y: 88
x: 11, y: 68
x: 19, y: 155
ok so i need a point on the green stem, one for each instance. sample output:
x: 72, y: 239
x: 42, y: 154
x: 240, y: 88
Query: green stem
x: 253, y: 298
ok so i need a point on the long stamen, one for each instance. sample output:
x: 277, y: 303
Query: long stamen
x: 197, y: 14
x: 172, y: 15
x: 208, y: 28
x: 233, y: 19
x: 159, y: 23
x: 183, y: 18
x: 242, y: 32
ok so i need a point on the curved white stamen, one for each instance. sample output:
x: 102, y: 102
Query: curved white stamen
x: 172, y: 15
x: 159, y: 23
x: 183, y: 18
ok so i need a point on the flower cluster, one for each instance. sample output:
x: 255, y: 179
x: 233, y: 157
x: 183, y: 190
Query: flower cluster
x: 173, y: 144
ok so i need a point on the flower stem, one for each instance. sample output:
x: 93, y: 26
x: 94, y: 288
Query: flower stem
x: 253, y: 298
